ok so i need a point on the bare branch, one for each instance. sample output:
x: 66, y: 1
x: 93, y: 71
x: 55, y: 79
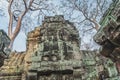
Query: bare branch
x: 18, y: 26
x: 25, y: 4
x: 27, y: 8
x: 102, y: 6
x: 97, y: 9
x: 35, y: 9
x: 88, y: 29
x: 10, y: 19
x: 17, y: 29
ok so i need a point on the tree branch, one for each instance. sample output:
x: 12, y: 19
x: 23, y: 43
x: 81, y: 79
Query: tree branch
x: 93, y: 20
x: 25, y: 4
x: 26, y: 8
x: 10, y: 19
x: 18, y: 26
x: 88, y: 29
x: 97, y: 9
x: 96, y: 25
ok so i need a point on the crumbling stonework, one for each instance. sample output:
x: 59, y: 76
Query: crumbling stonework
x: 108, y: 36
x: 58, y: 51
x: 4, y: 42
x: 33, y: 40
x: 13, y: 67
x: 97, y: 67
x: 53, y: 53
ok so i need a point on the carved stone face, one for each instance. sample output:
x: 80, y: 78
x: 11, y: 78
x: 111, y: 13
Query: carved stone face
x: 54, y: 58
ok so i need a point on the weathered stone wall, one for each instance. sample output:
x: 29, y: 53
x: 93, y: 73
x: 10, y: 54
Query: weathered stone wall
x: 33, y: 39
x: 59, y: 45
x: 4, y: 42
x: 13, y: 67
x: 97, y: 67
x: 108, y: 36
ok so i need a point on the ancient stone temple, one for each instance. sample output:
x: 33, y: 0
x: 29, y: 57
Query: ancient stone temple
x: 53, y: 53
x: 108, y: 36
x: 58, y: 54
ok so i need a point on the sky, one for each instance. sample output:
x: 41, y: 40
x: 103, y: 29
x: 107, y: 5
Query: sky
x: 20, y: 41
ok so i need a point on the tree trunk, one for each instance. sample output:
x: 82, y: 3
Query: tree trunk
x: 11, y: 44
x: 16, y: 31
x: 13, y: 34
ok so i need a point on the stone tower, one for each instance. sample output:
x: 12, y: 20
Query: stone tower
x: 58, y: 55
